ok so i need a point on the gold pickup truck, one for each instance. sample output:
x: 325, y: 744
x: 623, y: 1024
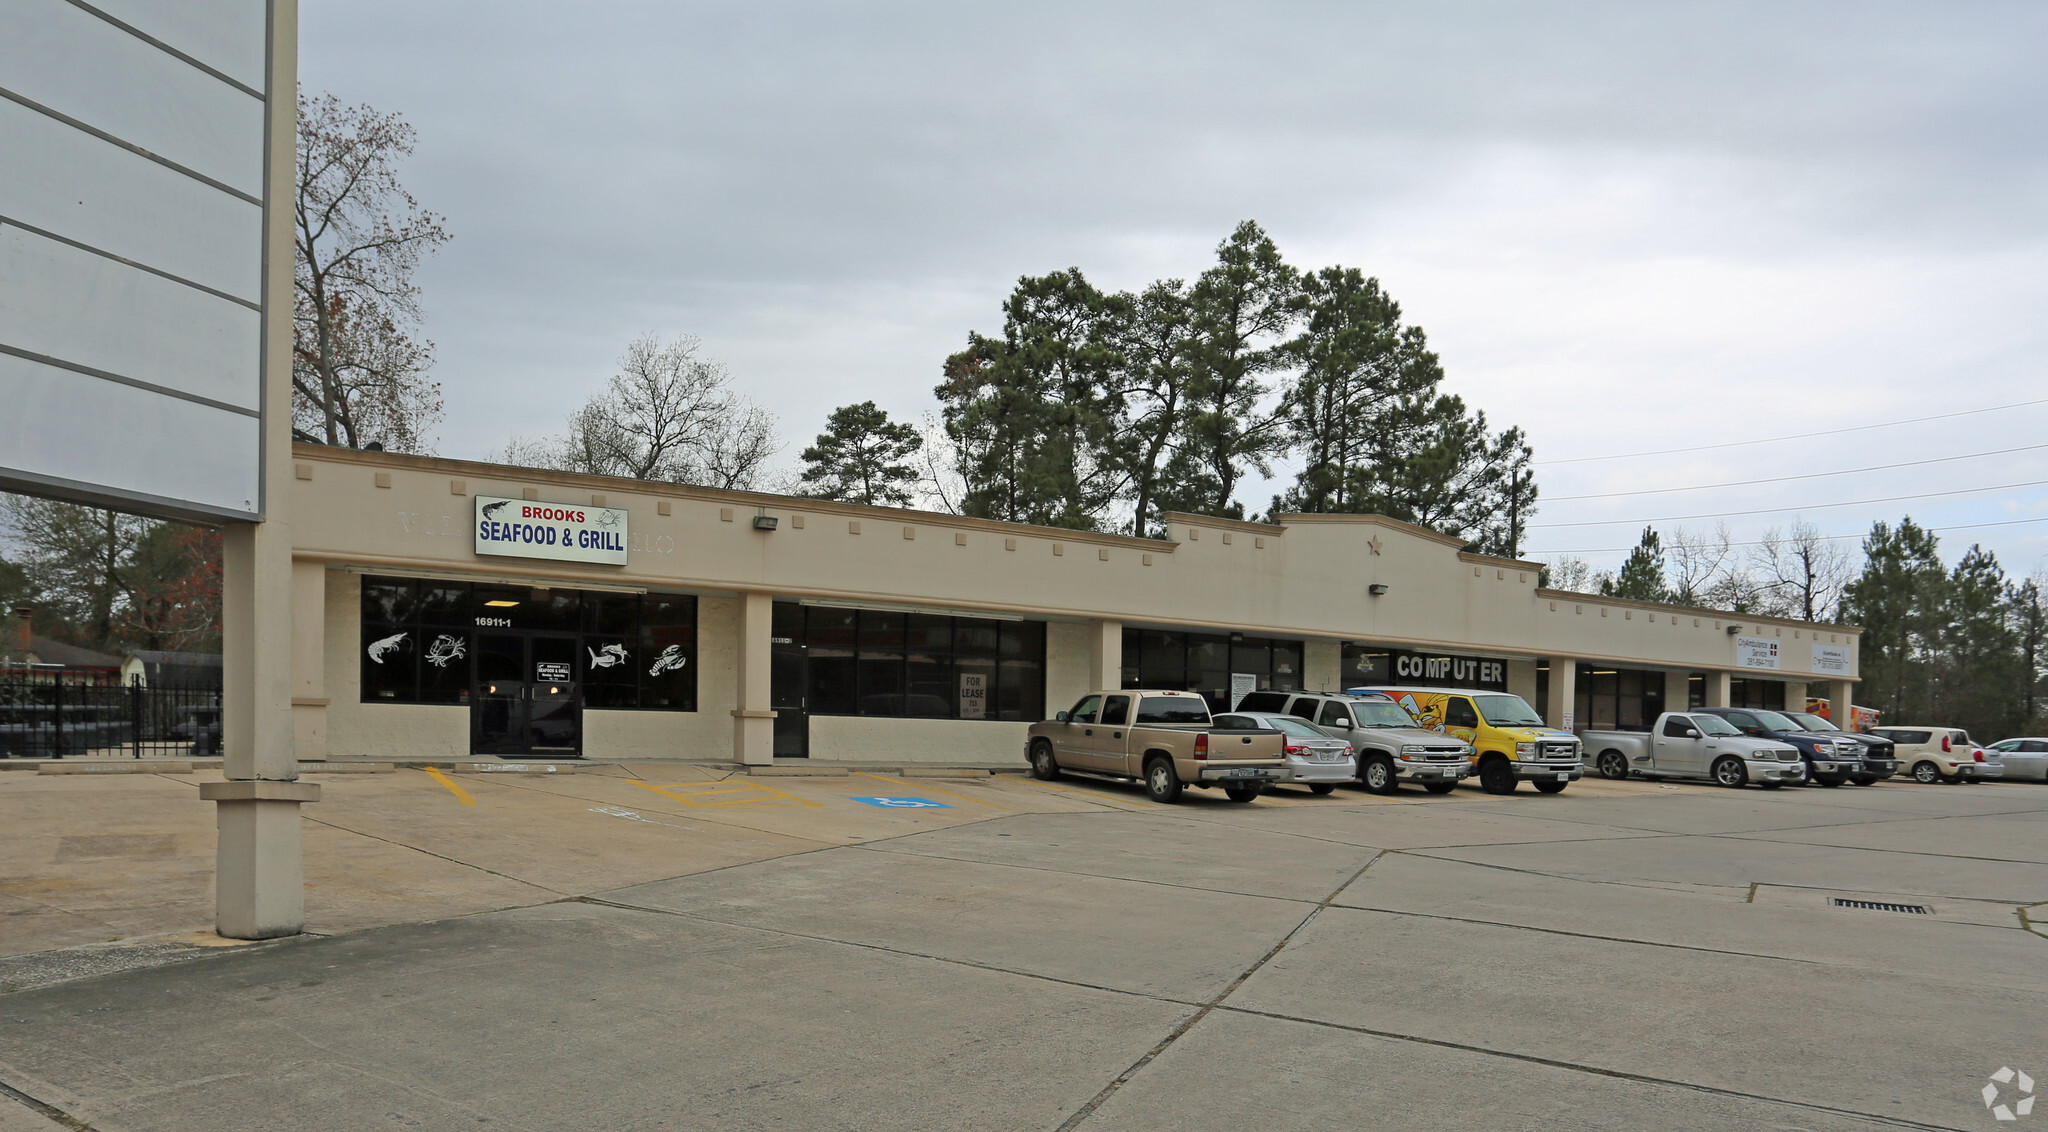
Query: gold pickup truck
x: 1163, y: 739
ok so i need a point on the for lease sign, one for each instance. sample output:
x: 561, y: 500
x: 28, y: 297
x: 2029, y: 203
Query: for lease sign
x: 526, y: 528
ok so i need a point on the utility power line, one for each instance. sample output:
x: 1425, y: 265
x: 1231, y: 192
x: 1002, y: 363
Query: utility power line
x: 1804, y: 476
x: 1779, y: 510
x: 1793, y: 436
x: 1823, y: 538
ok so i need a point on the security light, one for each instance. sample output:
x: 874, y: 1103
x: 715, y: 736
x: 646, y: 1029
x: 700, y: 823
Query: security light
x: 1734, y: 629
x: 1377, y: 589
x: 765, y: 522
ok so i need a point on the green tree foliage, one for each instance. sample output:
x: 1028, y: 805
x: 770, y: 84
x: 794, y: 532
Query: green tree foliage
x: 1156, y: 352
x: 1642, y: 572
x: 108, y: 581
x: 1899, y: 601
x: 860, y: 458
x: 2030, y: 630
x: 1243, y: 306
x: 1977, y: 679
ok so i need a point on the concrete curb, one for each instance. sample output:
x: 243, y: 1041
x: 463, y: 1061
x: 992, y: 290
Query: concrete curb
x: 135, y: 767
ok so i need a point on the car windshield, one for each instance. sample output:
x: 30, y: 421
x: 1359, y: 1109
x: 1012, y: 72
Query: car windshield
x: 1382, y: 713
x: 1179, y: 709
x: 1810, y: 721
x: 1773, y: 721
x: 1507, y: 711
x: 1298, y: 728
x: 1714, y: 725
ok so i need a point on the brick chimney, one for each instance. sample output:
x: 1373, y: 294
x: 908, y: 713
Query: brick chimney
x: 18, y: 639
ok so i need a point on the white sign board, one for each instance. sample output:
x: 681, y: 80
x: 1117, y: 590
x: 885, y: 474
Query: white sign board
x: 132, y: 159
x: 1242, y: 684
x: 974, y: 695
x: 1757, y: 652
x: 1831, y: 660
x: 528, y: 528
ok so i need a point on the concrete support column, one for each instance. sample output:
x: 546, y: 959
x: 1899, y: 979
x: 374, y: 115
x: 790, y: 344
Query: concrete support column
x: 1795, y: 695
x: 1322, y: 665
x: 1105, y: 654
x: 1718, y: 690
x: 1563, y: 694
x: 309, y: 660
x: 1840, y: 713
x: 753, y: 721
x: 259, y: 882
x: 1677, y: 691
x: 1522, y: 679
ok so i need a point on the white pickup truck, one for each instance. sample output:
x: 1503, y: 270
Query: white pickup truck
x: 1683, y: 745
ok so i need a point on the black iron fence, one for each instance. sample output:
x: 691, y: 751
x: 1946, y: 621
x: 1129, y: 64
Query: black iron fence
x: 46, y: 715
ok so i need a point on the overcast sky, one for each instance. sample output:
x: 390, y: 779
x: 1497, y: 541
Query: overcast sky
x: 1625, y: 227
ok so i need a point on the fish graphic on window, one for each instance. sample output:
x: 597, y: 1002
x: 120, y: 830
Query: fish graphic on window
x: 612, y: 656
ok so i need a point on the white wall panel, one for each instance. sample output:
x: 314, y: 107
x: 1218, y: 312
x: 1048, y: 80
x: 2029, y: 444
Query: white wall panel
x: 62, y: 179
x: 226, y: 35
x: 71, y: 61
x: 68, y: 426
x: 86, y: 309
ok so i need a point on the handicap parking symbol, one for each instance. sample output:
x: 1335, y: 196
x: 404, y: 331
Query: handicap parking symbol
x: 905, y: 803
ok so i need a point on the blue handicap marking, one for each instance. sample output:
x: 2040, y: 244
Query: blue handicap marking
x: 905, y: 803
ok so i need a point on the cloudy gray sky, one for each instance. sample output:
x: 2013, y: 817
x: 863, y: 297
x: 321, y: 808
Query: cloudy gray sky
x: 1626, y: 227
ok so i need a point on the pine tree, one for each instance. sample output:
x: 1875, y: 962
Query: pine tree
x: 1642, y: 572
x: 1243, y: 306
x: 861, y: 458
x: 1898, y: 601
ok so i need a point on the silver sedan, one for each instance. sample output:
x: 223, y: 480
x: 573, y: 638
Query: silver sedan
x: 2025, y: 760
x: 1314, y: 760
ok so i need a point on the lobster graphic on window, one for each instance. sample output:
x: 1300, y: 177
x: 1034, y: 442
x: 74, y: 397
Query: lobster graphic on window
x: 670, y: 660
x: 446, y: 649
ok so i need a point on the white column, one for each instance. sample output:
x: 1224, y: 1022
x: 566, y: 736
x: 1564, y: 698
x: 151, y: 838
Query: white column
x: 1795, y: 695
x: 309, y: 661
x: 1840, y: 711
x: 1718, y: 690
x: 1105, y: 654
x: 1562, y: 695
x: 259, y: 880
x: 1677, y: 691
x: 753, y: 721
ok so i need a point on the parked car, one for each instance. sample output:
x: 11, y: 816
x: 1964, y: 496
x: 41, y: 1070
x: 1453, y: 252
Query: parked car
x: 1829, y: 760
x: 1163, y: 738
x: 2023, y: 758
x: 1510, y: 742
x: 1695, y: 745
x: 1391, y: 748
x: 1314, y: 760
x: 1879, y: 759
x: 1936, y: 754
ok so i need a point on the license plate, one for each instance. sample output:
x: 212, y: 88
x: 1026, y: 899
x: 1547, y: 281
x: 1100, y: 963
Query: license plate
x: 1564, y: 778
x: 1327, y: 756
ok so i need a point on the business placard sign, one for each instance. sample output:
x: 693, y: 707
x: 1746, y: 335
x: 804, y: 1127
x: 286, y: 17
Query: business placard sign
x: 1366, y: 665
x: 528, y: 528
x: 1831, y: 660
x: 1758, y: 652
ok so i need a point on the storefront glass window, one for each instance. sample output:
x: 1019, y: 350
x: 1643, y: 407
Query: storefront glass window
x: 421, y: 640
x: 1204, y: 662
x: 920, y: 665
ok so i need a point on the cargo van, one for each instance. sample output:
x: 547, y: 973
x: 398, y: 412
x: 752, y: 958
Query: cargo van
x: 1510, y: 742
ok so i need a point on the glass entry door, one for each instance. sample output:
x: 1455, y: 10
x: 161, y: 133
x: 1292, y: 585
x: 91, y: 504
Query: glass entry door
x: 527, y: 701
x: 788, y: 683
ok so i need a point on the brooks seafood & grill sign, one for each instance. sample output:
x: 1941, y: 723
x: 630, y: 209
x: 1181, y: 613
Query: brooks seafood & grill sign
x: 529, y: 528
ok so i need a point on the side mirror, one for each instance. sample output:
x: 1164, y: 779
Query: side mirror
x: 1059, y: 717
x: 1690, y: 733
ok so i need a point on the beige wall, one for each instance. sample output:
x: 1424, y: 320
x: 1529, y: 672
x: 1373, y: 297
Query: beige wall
x: 905, y: 742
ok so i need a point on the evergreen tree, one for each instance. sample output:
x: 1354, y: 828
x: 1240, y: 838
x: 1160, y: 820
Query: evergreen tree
x: 1642, y: 572
x: 2030, y: 629
x: 1242, y: 307
x: 1898, y: 601
x: 1977, y: 675
x: 860, y: 458
x: 1154, y: 376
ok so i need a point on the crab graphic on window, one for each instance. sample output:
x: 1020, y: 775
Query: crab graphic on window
x: 670, y: 660
x: 611, y: 656
x: 385, y: 646
x: 446, y: 649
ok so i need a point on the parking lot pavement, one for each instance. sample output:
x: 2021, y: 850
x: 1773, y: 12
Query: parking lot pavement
x: 1068, y: 956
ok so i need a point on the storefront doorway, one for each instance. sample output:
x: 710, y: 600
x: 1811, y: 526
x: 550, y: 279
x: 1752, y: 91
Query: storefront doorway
x: 528, y: 703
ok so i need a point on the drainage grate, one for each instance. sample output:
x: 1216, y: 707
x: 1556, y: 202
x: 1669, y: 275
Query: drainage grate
x: 1877, y: 906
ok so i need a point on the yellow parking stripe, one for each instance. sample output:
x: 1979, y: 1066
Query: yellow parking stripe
x: 932, y: 789
x: 461, y: 795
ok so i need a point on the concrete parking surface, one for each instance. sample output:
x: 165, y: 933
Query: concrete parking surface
x: 675, y: 947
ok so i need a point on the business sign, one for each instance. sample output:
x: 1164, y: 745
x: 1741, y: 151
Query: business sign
x: 132, y: 206
x: 1831, y: 660
x: 1757, y: 652
x: 974, y: 695
x: 1368, y: 664
x: 527, y: 528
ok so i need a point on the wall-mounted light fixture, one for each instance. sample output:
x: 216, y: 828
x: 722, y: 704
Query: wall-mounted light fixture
x: 765, y: 522
x: 1734, y: 629
x: 1377, y: 589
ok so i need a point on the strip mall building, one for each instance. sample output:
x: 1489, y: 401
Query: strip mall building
x: 452, y: 608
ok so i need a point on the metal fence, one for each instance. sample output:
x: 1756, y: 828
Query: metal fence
x: 46, y: 715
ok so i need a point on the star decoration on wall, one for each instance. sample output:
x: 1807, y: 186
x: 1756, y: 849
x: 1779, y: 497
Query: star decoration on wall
x: 1373, y: 544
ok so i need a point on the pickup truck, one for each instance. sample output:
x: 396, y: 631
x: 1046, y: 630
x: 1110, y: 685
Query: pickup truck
x: 1880, y: 761
x: 1694, y: 745
x: 1831, y: 760
x: 1164, y: 739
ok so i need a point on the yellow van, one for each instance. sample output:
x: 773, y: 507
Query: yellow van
x: 1510, y: 742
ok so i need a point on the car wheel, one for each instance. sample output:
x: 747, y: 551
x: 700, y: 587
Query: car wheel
x: 1768, y: 785
x: 1378, y: 775
x: 1497, y: 776
x: 1439, y: 787
x: 1161, y: 782
x: 1863, y: 780
x: 1241, y: 792
x: 1043, y: 765
x: 1729, y: 771
x: 1926, y: 773
x: 1320, y: 789
x: 1551, y: 787
x: 1830, y: 780
x: 1613, y: 764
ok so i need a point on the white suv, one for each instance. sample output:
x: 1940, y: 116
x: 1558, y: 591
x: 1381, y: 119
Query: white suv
x: 1939, y: 754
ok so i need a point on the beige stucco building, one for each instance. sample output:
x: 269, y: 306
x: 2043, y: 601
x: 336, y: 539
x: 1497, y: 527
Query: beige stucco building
x: 666, y: 621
